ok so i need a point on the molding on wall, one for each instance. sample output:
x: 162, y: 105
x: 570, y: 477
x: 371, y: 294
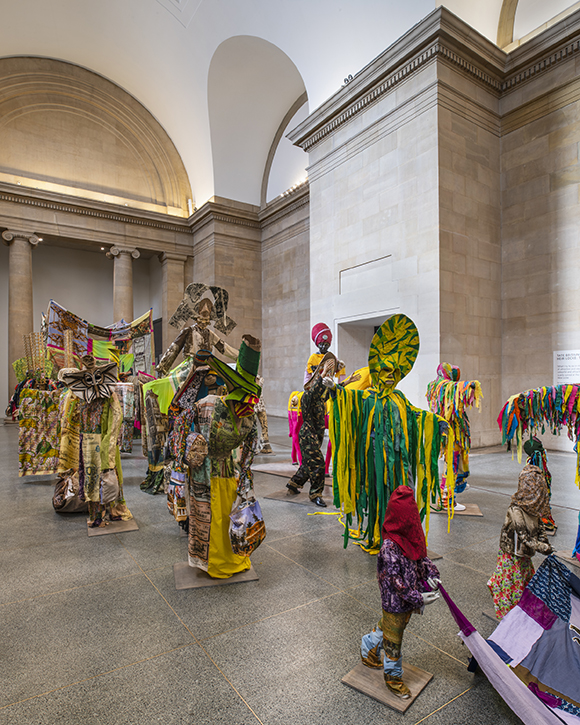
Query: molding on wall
x: 285, y: 205
x: 245, y: 215
x: 425, y: 100
x: 291, y: 232
x: 60, y: 202
x: 444, y: 38
x: 539, y: 107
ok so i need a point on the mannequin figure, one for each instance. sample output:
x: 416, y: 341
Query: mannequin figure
x: 195, y: 338
x: 212, y: 428
x: 312, y: 433
x: 450, y: 397
x: 381, y: 441
x: 322, y: 338
x: 402, y: 569
x: 93, y: 406
x: 522, y: 535
x: 263, y: 419
x: 294, y: 424
x: 537, y: 457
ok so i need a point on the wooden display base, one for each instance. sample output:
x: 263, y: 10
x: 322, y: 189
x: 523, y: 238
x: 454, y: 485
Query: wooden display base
x: 433, y: 555
x: 371, y: 682
x: 471, y: 509
x: 300, y: 498
x: 190, y: 577
x: 113, y: 527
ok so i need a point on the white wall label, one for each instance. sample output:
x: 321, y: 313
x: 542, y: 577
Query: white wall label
x: 566, y: 367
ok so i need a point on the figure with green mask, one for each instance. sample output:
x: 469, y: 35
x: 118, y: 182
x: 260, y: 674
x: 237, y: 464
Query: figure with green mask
x: 380, y: 441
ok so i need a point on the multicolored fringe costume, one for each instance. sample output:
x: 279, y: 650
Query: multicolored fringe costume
x: 449, y: 397
x: 381, y: 441
x: 532, y: 411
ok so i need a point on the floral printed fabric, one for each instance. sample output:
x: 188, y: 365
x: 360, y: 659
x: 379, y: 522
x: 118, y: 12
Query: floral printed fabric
x: 400, y: 578
x: 508, y: 581
x: 39, y: 434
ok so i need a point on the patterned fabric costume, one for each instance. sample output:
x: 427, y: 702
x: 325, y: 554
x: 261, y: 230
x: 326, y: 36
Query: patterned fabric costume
x: 92, y: 425
x: 402, y: 567
x: 539, y: 639
x: 207, y: 483
x: 310, y: 439
x: 521, y: 536
x: 381, y: 441
x: 449, y: 397
x: 295, y: 423
x: 39, y: 432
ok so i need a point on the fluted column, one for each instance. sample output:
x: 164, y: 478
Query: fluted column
x: 172, y: 291
x: 123, y: 281
x: 20, y: 313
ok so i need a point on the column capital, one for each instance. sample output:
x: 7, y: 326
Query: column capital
x: 10, y: 235
x: 172, y: 257
x: 116, y: 251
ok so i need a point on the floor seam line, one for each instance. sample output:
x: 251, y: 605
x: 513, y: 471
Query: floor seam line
x: 443, y: 706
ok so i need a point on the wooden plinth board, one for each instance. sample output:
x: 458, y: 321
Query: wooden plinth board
x: 190, y: 577
x: 471, y: 509
x: 113, y: 527
x: 568, y: 559
x: 490, y: 614
x: 371, y: 682
x: 300, y: 498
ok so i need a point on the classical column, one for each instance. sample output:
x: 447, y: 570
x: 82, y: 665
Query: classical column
x: 171, y: 292
x: 20, y: 314
x: 123, y: 281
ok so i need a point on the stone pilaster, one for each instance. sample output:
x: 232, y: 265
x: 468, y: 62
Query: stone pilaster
x: 172, y: 291
x: 123, y: 281
x: 20, y: 314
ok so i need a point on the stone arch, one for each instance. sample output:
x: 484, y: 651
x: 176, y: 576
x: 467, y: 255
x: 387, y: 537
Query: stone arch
x: 66, y: 129
x: 252, y: 84
x: 505, y: 27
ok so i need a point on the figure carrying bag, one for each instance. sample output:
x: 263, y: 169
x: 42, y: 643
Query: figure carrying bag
x: 247, y: 527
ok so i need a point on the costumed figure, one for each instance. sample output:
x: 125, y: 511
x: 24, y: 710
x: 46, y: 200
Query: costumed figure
x: 205, y: 434
x: 322, y: 338
x: 294, y: 424
x: 381, y: 441
x: 553, y: 407
x: 537, y: 456
x: 450, y: 397
x: 263, y: 419
x: 522, y: 535
x: 407, y: 580
x: 93, y: 447
x: 199, y: 336
x: 311, y: 435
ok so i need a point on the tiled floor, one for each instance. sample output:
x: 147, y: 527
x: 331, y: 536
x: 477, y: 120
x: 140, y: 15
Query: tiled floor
x: 93, y: 631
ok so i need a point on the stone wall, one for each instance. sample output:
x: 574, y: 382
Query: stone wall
x: 285, y: 297
x: 470, y: 240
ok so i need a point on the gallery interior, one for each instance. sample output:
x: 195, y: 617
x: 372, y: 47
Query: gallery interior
x: 339, y: 162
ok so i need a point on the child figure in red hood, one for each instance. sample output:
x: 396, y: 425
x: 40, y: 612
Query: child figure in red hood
x: 407, y: 580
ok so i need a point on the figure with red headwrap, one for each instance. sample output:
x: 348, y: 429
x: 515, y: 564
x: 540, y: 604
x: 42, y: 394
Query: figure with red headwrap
x: 407, y: 580
x: 322, y: 338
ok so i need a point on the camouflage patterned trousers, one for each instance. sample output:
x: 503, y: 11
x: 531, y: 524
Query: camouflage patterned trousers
x: 312, y: 467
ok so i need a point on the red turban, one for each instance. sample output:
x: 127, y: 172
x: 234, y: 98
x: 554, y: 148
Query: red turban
x: 321, y: 333
x: 403, y: 525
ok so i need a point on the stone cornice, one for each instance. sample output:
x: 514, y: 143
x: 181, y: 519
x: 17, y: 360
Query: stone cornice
x: 285, y: 205
x: 244, y: 215
x: 73, y: 205
x: 441, y: 35
x: 547, y: 62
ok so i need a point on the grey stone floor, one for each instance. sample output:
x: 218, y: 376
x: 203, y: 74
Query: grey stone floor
x: 94, y: 632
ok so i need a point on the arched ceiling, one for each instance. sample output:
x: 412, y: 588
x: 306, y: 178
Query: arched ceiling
x: 160, y: 51
x: 251, y: 86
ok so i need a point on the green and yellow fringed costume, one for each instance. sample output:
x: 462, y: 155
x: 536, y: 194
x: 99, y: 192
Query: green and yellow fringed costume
x: 380, y: 441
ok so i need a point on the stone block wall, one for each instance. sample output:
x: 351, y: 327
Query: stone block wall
x: 470, y: 242
x: 285, y: 297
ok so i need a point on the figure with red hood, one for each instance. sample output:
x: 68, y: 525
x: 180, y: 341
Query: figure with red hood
x: 322, y: 338
x: 407, y: 580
